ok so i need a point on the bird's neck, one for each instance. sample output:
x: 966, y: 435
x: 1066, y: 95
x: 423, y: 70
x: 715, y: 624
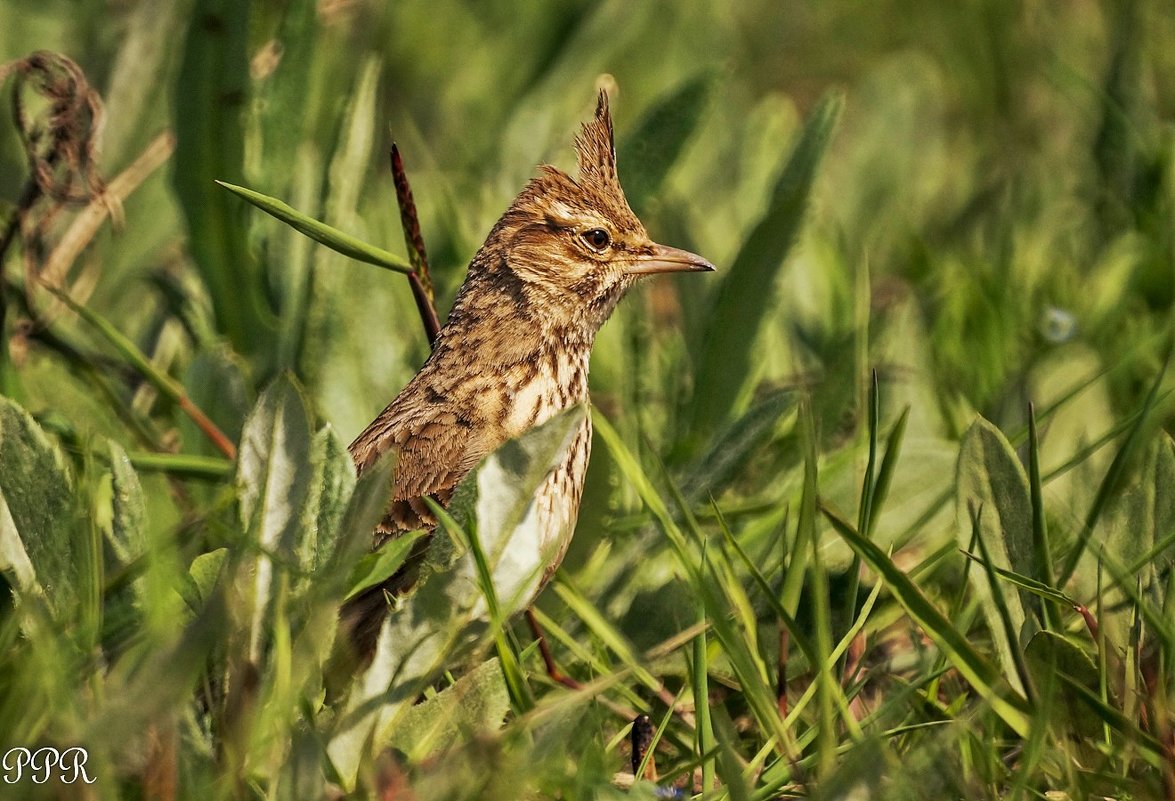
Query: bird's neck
x: 516, y: 357
x: 522, y: 367
x: 506, y: 323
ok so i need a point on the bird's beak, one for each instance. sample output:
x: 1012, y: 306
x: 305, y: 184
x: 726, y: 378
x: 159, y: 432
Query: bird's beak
x: 663, y: 259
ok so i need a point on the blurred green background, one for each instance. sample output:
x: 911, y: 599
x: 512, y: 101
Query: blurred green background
x: 999, y: 184
x: 991, y: 224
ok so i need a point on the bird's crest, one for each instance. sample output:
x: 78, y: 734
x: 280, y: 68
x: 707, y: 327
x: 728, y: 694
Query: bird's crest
x: 595, y: 149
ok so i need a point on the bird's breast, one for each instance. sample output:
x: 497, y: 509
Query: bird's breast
x: 539, y: 388
x: 557, y: 501
x: 549, y: 385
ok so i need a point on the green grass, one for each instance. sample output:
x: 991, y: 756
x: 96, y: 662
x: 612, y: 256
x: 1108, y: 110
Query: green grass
x: 906, y: 456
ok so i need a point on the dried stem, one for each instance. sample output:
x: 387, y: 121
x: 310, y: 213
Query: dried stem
x: 83, y: 228
x: 548, y: 659
x: 170, y: 388
x: 60, y: 144
x: 108, y: 204
x: 28, y: 197
x: 419, y: 279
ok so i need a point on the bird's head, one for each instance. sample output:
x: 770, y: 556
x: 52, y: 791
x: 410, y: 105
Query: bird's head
x: 573, y: 246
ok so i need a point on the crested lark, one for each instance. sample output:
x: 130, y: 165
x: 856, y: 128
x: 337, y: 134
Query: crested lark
x: 515, y: 352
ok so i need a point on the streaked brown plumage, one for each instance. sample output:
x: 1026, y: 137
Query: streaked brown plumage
x: 515, y: 350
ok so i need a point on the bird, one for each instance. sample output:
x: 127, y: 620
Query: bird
x: 513, y: 353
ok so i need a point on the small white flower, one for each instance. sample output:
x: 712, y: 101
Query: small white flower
x: 1057, y: 325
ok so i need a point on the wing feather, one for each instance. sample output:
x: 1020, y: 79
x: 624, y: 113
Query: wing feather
x: 436, y: 446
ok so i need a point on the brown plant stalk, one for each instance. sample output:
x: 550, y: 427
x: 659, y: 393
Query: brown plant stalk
x: 419, y: 279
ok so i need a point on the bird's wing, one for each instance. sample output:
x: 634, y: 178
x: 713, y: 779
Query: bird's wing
x: 435, y: 448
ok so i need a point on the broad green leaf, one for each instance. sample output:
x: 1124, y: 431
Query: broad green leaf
x: 273, y: 481
x: 120, y: 514
x: 366, y: 507
x: 139, y: 83
x: 733, y: 446
x: 203, y: 574
x: 496, y: 500
x: 646, y: 155
x: 274, y: 140
x: 211, y: 94
x: 216, y: 383
x: 273, y: 469
x: 521, y: 697
x: 1042, y: 548
x: 954, y: 644
x: 992, y: 482
x: 478, y: 702
x: 1144, y: 513
x: 448, y: 610
x: 13, y: 556
x: 1117, y: 470
x: 36, y: 510
x: 1049, y: 654
x: 331, y: 488
x: 369, y: 501
x: 1008, y: 633
x: 128, y: 523
x: 378, y: 566
x: 726, y: 361
x: 1135, y: 521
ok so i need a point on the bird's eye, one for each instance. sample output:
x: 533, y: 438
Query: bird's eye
x: 596, y: 238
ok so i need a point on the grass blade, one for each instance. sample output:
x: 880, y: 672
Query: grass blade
x: 1113, y: 476
x: 793, y: 580
x: 885, y: 473
x: 210, y: 97
x: 704, y: 732
x: 1010, y: 631
x: 648, y: 153
x: 733, y: 446
x: 602, y: 628
x: 1040, y: 533
x: 184, y: 465
x: 1012, y: 707
x: 746, y: 666
x: 521, y: 696
x: 865, y: 510
x: 818, y: 594
x: 725, y: 362
x: 168, y: 386
x: 1027, y: 584
x: 320, y: 232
